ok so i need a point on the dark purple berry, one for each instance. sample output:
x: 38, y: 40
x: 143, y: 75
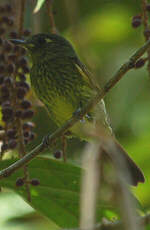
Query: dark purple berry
x: 12, y: 57
x: 58, y: 154
x: 147, y: 33
x: 23, y: 84
x: 27, y: 114
x: 13, y: 34
x: 10, y: 68
x: 26, y: 32
x: 136, y: 21
x: 21, y: 92
x: 35, y: 182
x: 7, y: 112
x: 22, y: 62
x: 5, y: 91
x: 11, y: 133
x: 140, y: 63
x: 12, y: 144
x: 19, y: 182
x: 18, y: 113
x: 8, y: 81
x: 25, y: 69
x: 6, y: 104
x: 1, y: 127
x: 26, y: 134
x: 25, y: 104
x: 22, y: 77
x: 5, y: 19
x: 148, y: 7
x: 137, y: 17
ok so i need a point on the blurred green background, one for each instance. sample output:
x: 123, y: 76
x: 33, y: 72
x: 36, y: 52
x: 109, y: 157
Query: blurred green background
x: 103, y: 37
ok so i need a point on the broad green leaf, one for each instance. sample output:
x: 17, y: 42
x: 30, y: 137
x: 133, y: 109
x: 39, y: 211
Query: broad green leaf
x: 38, y: 5
x: 58, y: 195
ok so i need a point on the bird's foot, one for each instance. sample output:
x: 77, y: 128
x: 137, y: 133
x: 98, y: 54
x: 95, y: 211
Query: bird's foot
x: 77, y: 113
x: 45, y: 141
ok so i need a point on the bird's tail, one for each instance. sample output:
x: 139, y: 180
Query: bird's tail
x: 134, y: 173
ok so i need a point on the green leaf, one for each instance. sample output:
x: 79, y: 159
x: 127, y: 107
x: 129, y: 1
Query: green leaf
x: 38, y: 5
x: 57, y: 196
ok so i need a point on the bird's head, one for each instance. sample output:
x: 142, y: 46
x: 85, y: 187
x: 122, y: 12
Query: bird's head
x: 43, y: 44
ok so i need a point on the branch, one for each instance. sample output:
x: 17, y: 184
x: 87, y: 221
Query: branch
x: 145, y: 15
x: 21, y: 145
x: 146, y: 29
x: 79, y: 115
x: 49, y: 4
x: 21, y: 16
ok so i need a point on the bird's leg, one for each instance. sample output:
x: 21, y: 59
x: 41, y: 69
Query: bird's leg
x: 64, y: 147
x: 78, y: 110
x: 45, y: 141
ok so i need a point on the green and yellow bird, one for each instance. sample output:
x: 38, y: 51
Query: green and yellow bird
x: 63, y: 83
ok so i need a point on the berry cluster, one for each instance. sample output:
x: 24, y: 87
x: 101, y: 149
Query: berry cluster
x: 137, y: 21
x: 15, y: 108
x: 21, y: 181
x: 58, y: 154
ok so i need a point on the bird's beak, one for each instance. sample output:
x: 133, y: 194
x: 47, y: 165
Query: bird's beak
x: 18, y: 42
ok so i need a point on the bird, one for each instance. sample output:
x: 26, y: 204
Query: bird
x: 64, y: 85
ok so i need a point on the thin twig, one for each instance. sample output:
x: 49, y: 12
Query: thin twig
x: 144, y: 14
x: 21, y: 16
x: 77, y: 116
x: 21, y: 146
x: 49, y: 4
x: 146, y: 28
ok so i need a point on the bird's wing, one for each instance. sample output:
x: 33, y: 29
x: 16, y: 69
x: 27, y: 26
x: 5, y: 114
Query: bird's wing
x: 87, y: 75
